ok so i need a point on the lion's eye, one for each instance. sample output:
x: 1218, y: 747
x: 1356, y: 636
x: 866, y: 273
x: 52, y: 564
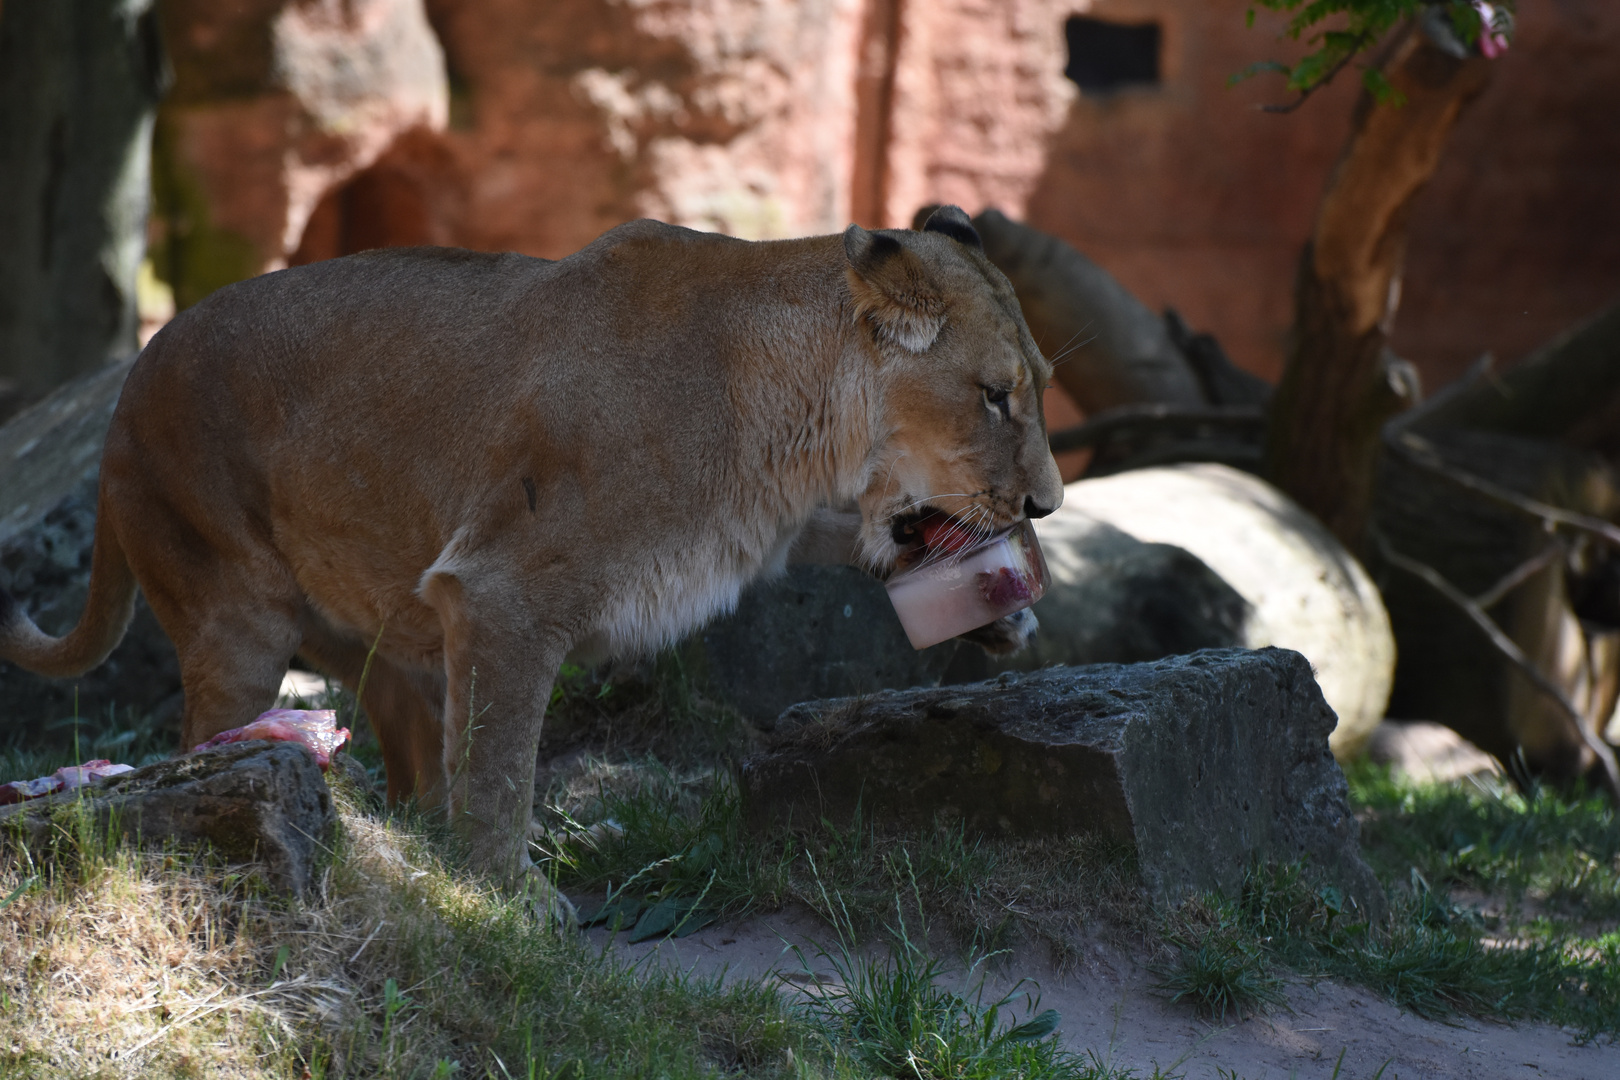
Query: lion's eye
x: 998, y: 398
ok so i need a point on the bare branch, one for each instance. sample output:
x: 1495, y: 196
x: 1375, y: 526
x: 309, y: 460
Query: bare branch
x: 1509, y: 649
x: 1422, y: 453
x: 1154, y: 415
x: 1518, y: 575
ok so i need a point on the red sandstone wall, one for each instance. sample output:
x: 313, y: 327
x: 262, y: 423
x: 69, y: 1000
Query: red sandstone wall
x: 1518, y: 236
x: 1188, y: 193
x: 304, y: 129
x: 1194, y: 199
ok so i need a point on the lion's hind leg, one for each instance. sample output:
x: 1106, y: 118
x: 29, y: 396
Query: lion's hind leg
x: 232, y: 660
x: 402, y: 706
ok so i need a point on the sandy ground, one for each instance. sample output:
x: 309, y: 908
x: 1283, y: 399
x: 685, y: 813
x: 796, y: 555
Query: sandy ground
x: 1109, y: 1008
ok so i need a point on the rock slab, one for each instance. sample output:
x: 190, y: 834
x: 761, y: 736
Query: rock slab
x: 258, y: 802
x: 1203, y: 764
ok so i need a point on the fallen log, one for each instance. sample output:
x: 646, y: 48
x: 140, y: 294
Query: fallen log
x: 1482, y: 544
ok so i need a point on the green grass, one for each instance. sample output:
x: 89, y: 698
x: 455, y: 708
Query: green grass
x: 1217, y: 974
x: 1531, y: 934
x: 1536, y: 854
x: 645, y: 836
x: 889, y: 1015
x: 131, y: 739
x: 465, y: 981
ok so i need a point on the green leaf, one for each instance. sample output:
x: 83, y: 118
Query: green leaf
x: 694, y: 920
x: 1260, y: 68
x: 1381, y: 90
x: 659, y: 919
x: 18, y: 891
x: 281, y: 962
x: 618, y: 913
x: 1036, y: 1029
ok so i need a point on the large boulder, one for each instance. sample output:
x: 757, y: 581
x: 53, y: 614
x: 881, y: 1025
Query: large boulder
x: 1202, y: 764
x: 50, y: 462
x: 1300, y: 588
x: 257, y: 802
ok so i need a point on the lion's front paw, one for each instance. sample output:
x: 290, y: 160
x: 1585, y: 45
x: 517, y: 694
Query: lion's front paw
x: 1006, y: 635
x: 547, y: 901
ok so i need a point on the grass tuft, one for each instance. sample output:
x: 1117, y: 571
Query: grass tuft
x: 1218, y: 974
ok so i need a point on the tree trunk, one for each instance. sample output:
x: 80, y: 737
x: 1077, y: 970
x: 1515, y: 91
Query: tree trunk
x: 79, y: 86
x: 1338, y: 387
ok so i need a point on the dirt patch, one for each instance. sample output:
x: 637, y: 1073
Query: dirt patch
x: 1108, y: 1006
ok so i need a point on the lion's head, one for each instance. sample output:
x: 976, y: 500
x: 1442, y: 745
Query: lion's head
x: 963, y: 437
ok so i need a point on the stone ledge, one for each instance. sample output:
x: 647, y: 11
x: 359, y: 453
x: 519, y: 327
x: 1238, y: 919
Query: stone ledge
x: 1202, y: 763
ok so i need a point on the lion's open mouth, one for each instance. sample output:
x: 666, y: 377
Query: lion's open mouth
x: 932, y: 533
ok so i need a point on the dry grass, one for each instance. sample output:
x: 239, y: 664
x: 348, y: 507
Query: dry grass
x: 120, y: 963
x: 140, y: 965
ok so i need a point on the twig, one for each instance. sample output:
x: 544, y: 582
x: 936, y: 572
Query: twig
x: 1513, y: 654
x: 1360, y: 43
x: 1110, y: 422
x: 205, y: 1009
x: 1422, y: 453
x: 366, y: 942
x: 1479, y: 371
x: 1517, y: 576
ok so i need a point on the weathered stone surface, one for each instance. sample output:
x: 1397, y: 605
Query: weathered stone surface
x: 816, y: 632
x: 1202, y: 763
x: 274, y: 104
x: 50, y: 460
x: 1428, y: 753
x: 252, y: 802
x: 830, y: 631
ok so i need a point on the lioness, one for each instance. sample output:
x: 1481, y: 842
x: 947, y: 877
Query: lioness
x: 484, y: 463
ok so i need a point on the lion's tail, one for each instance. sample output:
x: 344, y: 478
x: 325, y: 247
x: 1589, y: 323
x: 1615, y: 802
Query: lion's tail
x: 107, y: 613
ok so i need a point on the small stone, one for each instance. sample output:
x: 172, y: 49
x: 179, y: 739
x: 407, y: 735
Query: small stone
x: 1203, y: 764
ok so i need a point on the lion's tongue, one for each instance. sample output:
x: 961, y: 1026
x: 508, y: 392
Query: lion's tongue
x: 942, y: 536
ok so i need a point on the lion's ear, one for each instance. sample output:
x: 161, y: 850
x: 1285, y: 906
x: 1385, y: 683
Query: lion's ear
x: 953, y: 222
x: 893, y: 289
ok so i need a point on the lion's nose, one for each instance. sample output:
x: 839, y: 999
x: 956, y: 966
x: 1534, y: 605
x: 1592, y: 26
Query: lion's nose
x: 1033, y: 510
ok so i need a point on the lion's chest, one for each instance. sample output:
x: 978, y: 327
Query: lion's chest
x: 676, y: 588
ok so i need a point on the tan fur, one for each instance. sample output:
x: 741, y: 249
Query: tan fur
x: 485, y: 463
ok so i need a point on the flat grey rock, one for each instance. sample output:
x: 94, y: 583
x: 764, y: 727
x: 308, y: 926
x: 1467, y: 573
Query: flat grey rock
x: 261, y: 802
x: 1202, y: 764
